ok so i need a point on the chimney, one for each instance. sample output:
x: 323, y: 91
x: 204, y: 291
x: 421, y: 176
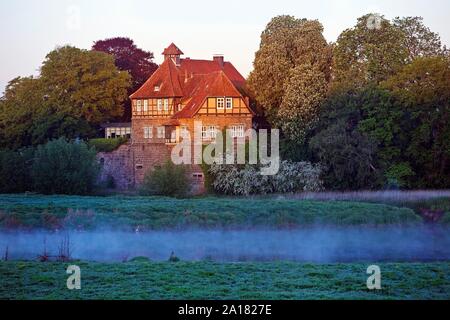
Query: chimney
x: 219, y: 59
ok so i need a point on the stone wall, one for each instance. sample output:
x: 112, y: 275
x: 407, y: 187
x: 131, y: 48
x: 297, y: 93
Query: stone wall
x: 128, y: 165
x: 147, y: 156
x: 118, y: 166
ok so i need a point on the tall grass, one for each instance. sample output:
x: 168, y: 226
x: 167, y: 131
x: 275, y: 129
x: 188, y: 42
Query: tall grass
x: 375, y: 196
x: 156, y: 213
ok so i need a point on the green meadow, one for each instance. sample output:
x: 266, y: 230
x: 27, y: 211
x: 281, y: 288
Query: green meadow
x: 155, y: 213
x: 142, y: 279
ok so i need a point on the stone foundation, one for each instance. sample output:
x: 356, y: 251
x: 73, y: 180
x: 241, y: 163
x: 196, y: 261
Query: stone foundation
x: 127, y: 166
x: 117, y: 166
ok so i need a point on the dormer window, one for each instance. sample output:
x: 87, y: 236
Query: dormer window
x: 156, y: 88
x: 229, y: 103
x: 220, y: 102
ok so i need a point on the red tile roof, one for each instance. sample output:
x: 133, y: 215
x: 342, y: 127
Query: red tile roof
x: 192, y: 81
x: 215, y: 84
x: 172, y: 50
x: 166, y: 78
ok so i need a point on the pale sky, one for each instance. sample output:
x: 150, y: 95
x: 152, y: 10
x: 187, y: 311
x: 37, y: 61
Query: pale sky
x: 32, y: 28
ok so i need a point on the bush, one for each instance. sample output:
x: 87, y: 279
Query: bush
x: 15, y: 170
x: 348, y: 158
x: 247, y: 180
x: 107, y: 145
x: 166, y: 180
x: 62, y: 167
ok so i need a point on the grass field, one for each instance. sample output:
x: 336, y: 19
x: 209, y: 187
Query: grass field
x: 71, y: 212
x: 142, y: 279
x: 203, y: 280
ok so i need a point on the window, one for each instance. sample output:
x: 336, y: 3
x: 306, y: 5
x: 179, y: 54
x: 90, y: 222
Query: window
x: 161, y: 132
x: 220, y: 103
x: 237, y: 131
x: 145, y: 105
x: 148, y: 132
x: 156, y: 88
x: 212, y: 132
x: 229, y: 103
x: 166, y: 104
x: 204, y: 133
x: 209, y: 132
x: 138, y: 106
x: 159, y: 105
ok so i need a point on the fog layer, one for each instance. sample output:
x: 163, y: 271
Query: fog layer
x: 316, y: 245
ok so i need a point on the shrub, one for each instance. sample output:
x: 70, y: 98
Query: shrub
x: 15, y: 170
x: 107, y: 145
x: 398, y: 175
x: 62, y: 167
x: 166, y: 180
x: 247, y: 180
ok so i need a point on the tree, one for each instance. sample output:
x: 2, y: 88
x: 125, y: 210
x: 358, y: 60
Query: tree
x: 23, y: 97
x: 419, y: 40
x: 128, y: 57
x: 84, y: 84
x: 166, y: 180
x: 370, y: 52
x: 423, y: 87
x: 290, y: 47
x: 299, y: 110
x: 63, y: 167
x: 76, y: 91
x: 15, y: 169
x: 349, y: 155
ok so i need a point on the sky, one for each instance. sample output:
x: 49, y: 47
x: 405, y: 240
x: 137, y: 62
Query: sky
x: 29, y: 29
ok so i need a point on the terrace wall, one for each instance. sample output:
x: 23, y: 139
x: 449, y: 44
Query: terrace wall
x: 130, y: 162
x: 118, y: 165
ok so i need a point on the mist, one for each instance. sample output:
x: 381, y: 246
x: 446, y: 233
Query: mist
x: 314, y: 245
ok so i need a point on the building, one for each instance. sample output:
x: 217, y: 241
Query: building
x: 117, y: 130
x: 180, y: 92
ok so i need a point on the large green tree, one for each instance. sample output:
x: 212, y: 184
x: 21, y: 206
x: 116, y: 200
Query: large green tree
x: 349, y: 155
x: 370, y: 52
x: 299, y: 110
x: 293, y: 59
x: 76, y: 91
x: 84, y: 84
x: 62, y: 167
x: 419, y: 40
x: 128, y: 57
x: 423, y: 88
x: 23, y: 97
